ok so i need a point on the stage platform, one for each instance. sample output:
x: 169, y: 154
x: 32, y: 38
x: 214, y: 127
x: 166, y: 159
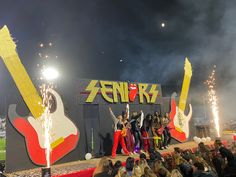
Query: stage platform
x: 84, y: 168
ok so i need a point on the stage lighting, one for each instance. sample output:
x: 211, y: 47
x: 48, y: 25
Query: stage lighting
x: 50, y: 73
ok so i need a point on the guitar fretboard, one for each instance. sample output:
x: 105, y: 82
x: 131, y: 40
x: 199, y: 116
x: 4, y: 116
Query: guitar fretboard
x: 21, y: 78
x: 24, y: 84
x: 185, y: 85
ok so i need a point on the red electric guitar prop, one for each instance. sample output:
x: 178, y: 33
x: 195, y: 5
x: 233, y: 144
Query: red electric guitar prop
x: 64, y: 134
x: 179, y: 122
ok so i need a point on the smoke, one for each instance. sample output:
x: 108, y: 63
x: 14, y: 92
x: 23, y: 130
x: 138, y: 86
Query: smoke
x: 92, y: 37
x: 205, y: 32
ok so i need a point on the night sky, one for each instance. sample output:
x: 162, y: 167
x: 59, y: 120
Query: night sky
x: 124, y: 40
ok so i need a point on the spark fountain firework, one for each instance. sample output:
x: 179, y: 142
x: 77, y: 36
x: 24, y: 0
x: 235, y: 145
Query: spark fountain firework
x: 212, y: 98
x: 46, y: 120
x: 46, y: 117
x: 47, y: 125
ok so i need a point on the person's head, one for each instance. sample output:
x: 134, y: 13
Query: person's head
x: 137, y: 171
x: 158, y: 155
x: 175, y: 173
x: 217, y: 143
x: 123, y: 114
x: 110, y: 166
x: 119, y: 117
x: 198, y: 166
x: 186, y: 169
x: 157, y: 165
x: 226, y: 153
x: 129, y: 164
x: 142, y: 165
x: 121, y: 172
x: 128, y: 125
x: 167, y: 114
x: 142, y: 156
x: 103, y: 165
x: 157, y: 113
x: 118, y: 164
x: 148, y: 117
x: 116, y: 167
x: 162, y: 172
x: 149, y: 173
x: 134, y: 113
x: 152, y: 156
x: 201, y: 145
x: 177, y: 150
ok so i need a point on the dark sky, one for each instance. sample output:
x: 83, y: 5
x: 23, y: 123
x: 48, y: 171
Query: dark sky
x: 91, y: 37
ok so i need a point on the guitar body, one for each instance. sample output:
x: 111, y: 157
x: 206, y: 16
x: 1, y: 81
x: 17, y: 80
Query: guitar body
x: 179, y: 122
x: 64, y: 134
x: 179, y: 131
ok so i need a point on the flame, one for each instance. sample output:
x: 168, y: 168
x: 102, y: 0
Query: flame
x: 212, y: 98
x: 46, y: 120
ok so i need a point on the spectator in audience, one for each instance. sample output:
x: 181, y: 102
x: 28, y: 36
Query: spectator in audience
x: 137, y: 171
x: 149, y: 173
x: 143, y: 164
x: 218, y: 162
x: 116, y: 167
x: 152, y: 159
x: 162, y: 172
x: 143, y: 156
x: 198, y: 170
x: 157, y: 165
x: 103, y: 168
x: 175, y: 173
x: 129, y: 166
x: 204, y: 152
x: 121, y: 172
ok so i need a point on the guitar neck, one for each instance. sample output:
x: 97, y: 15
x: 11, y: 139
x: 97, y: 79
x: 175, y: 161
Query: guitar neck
x: 185, y: 85
x: 184, y: 93
x: 24, y: 84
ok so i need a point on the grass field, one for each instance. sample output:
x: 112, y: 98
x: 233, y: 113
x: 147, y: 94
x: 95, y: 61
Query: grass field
x: 2, y: 149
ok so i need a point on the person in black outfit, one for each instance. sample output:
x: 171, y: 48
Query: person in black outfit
x: 147, y: 123
x: 135, y: 129
x: 166, y: 132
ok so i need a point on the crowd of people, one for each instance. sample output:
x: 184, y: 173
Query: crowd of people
x: 206, y: 161
x: 139, y: 132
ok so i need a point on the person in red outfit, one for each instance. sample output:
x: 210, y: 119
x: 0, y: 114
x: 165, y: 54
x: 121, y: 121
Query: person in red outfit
x: 118, y: 138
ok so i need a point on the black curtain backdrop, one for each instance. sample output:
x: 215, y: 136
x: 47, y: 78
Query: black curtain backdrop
x: 91, y: 119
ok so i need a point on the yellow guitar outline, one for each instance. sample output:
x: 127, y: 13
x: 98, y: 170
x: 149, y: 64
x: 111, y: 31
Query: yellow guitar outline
x: 20, y: 76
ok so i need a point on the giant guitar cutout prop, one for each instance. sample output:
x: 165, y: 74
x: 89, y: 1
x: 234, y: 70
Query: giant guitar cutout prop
x: 64, y: 133
x: 179, y: 122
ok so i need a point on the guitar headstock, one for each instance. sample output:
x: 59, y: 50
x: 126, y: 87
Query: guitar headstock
x: 7, y: 45
x: 188, y: 67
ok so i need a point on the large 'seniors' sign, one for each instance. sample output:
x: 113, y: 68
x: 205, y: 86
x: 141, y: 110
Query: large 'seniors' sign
x: 124, y: 92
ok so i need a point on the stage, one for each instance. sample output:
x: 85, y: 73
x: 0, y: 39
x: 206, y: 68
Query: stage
x: 85, y: 167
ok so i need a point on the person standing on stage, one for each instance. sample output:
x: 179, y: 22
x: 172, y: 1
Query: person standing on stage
x: 166, y: 132
x: 129, y: 139
x: 145, y: 129
x: 136, y: 128
x: 157, y: 131
x: 118, y: 136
